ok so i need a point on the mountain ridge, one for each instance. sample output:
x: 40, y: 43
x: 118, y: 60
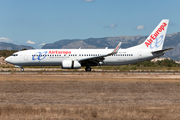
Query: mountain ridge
x: 11, y: 46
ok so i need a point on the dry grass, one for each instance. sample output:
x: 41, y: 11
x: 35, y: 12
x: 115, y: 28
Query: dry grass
x: 88, y: 96
x: 93, y: 76
x: 87, y: 112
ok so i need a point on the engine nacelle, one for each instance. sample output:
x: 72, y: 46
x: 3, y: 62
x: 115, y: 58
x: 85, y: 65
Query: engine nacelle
x: 70, y: 64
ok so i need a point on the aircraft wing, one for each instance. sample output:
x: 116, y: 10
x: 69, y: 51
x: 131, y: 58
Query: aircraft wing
x: 97, y: 59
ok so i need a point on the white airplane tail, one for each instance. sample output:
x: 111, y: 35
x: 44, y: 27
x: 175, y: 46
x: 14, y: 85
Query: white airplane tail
x: 155, y: 40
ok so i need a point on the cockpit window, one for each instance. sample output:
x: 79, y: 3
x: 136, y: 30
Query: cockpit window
x: 14, y: 55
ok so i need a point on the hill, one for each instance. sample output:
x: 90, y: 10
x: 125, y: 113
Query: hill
x: 10, y: 46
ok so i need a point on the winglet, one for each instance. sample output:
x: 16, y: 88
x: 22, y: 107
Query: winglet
x: 117, y: 48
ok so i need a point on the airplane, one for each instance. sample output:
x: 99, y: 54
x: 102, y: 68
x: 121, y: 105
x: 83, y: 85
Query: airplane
x: 76, y: 58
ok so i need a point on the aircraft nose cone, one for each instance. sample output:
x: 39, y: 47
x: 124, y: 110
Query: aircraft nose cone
x: 7, y: 60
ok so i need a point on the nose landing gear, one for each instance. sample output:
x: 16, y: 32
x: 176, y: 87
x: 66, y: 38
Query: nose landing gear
x: 22, y: 69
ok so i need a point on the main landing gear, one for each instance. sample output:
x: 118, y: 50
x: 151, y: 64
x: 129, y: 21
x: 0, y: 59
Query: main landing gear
x: 88, y: 69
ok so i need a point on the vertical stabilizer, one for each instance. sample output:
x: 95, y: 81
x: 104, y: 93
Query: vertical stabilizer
x: 155, y: 40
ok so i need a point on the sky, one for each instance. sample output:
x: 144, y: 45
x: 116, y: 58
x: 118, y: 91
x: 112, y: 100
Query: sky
x: 38, y: 22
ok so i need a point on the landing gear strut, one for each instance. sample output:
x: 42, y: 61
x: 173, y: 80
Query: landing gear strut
x: 22, y: 69
x: 88, y: 69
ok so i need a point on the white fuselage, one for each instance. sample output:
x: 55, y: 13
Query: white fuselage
x: 55, y: 57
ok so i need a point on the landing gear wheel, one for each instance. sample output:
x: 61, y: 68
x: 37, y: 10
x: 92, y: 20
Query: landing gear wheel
x: 22, y: 69
x: 88, y: 69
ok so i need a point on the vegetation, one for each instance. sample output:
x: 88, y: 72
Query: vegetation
x: 24, y: 49
x: 87, y: 96
x: 146, y: 65
x: 6, y: 53
x: 163, y: 63
x: 118, y: 68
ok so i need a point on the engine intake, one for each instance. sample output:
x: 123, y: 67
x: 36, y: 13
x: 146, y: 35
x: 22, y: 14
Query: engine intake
x: 70, y: 64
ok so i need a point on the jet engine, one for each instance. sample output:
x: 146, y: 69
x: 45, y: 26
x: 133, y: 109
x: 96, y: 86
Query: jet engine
x: 70, y: 64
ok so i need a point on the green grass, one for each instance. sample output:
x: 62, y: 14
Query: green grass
x: 134, y: 67
x: 159, y: 68
x: 117, y: 68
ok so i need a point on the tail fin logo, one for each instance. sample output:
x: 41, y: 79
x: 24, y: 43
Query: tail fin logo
x: 158, y: 42
x: 154, y: 36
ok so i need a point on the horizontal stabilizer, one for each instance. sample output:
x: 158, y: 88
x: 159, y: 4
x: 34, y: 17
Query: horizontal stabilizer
x: 162, y: 51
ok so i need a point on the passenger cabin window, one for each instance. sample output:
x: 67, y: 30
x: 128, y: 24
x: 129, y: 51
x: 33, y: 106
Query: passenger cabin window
x: 14, y: 55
